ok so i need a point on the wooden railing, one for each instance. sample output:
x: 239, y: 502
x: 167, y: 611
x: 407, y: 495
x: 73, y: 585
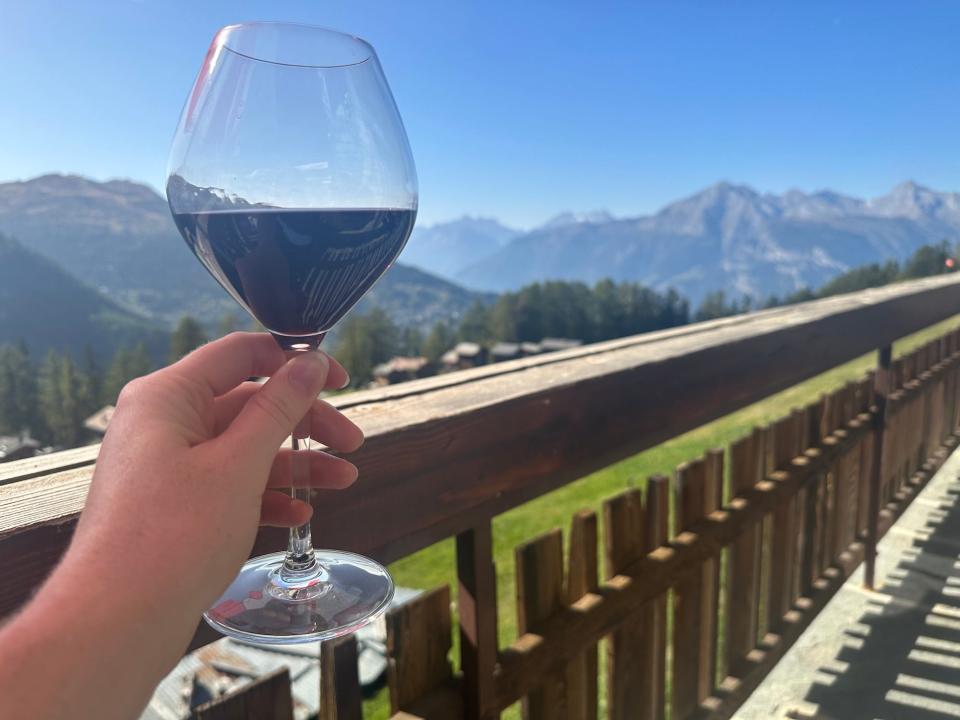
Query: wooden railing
x: 741, y: 564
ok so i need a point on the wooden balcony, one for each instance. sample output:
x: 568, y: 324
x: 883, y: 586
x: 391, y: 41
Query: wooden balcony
x: 755, y: 541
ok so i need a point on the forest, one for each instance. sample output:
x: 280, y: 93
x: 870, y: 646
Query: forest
x: 50, y: 397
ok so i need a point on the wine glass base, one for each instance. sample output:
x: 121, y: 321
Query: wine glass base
x: 340, y: 595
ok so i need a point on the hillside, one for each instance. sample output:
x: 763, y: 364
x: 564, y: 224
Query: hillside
x: 118, y: 237
x: 46, y: 307
x: 728, y: 237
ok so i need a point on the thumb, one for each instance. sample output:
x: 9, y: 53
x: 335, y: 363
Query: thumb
x: 273, y: 412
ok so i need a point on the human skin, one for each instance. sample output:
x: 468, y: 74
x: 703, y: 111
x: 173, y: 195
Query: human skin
x: 190, y: 466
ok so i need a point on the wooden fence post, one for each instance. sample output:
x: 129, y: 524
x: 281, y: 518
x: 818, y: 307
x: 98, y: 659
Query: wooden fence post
x: 583, y: 578
x: 477, y: 605
x: 654, y: 675
x: 539, y: 567
x: 340, y: 695
x: 628, y: 692
x: 881, y: 389
x: 418, y: 643
x: 710, y: 624
x: 689, y: 505
x: 267, y: 698
x: 743, y: 566
x: 783, y: 538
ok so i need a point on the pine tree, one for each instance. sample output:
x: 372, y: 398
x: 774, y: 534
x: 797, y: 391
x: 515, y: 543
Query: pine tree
x: 140, y: 363
x: 365, y: 341
x: 116, y: 376
x: 60, y: 400
x: 18, y: 391
x: 228, y: 324
x: 411, y: 342
x: 187, y: 337
x: 475, y: 325
x: 125, y: 366
x: 440, y: 339
x: 93, y: 380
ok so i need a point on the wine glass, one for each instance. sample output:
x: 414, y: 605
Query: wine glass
x: 291, y: 179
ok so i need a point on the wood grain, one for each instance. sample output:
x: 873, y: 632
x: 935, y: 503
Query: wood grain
x: 418, y: 645
x: 582, y: 578
x: 477, y: 611
x: 743, y: 570
x: 653, y: 677
x: 625, y: 543
x: 540, y: 596
x: 689, y: 508
x: 340, y: 694
x: 266, y: 698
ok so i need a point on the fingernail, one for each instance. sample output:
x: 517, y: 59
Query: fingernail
x: 345, y: 382
x: 308, y: 371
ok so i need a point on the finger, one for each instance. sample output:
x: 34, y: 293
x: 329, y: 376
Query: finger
x: 228, y: 405
x: 324, y: 471
x: 271, y: 413
x: 280, y: 510
x: 331, y: 427
x: 338, y: 378
x: 225, y: 363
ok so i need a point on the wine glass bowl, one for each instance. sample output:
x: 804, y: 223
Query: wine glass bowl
x: 291, y: 180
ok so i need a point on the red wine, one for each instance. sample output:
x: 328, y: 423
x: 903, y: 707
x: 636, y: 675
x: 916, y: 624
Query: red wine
x: 297, y: 271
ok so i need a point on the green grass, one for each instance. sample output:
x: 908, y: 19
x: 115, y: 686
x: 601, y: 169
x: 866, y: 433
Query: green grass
x: 436, y: 565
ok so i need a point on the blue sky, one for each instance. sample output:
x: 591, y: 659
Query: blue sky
x: 522, y: 110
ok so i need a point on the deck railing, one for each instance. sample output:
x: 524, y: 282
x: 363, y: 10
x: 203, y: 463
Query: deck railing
x: 755, y: 541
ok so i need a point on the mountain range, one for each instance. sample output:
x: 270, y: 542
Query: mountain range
x: 110, y: 257
x: 727, y: 236
x: 118, y: 239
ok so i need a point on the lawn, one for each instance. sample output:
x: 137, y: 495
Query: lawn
x: 435, y: 565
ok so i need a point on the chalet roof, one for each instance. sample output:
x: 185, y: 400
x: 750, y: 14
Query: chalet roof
x: 99, y: 421
x: 12, y: 444
x: 549, y: 344
x: 400, y: 364
x: 505, y: 349
x: 467, y: 349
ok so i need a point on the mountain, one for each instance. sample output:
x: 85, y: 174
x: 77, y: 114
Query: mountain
x: 446, y: 248
x: 570, y: 218
x: 118, y: 237
x: 728, y: 237
x: 46, y: 307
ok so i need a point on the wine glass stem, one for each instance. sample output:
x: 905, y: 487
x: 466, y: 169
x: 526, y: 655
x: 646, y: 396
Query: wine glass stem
x: 300, y: 560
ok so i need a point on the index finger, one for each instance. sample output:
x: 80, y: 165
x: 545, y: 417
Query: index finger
x: 223, y: 364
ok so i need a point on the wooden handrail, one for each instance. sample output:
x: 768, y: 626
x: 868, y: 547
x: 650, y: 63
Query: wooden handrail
x: 444, y: 455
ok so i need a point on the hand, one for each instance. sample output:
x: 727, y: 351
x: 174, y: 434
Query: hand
x: 190, y: 462
x: 187, y: 470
